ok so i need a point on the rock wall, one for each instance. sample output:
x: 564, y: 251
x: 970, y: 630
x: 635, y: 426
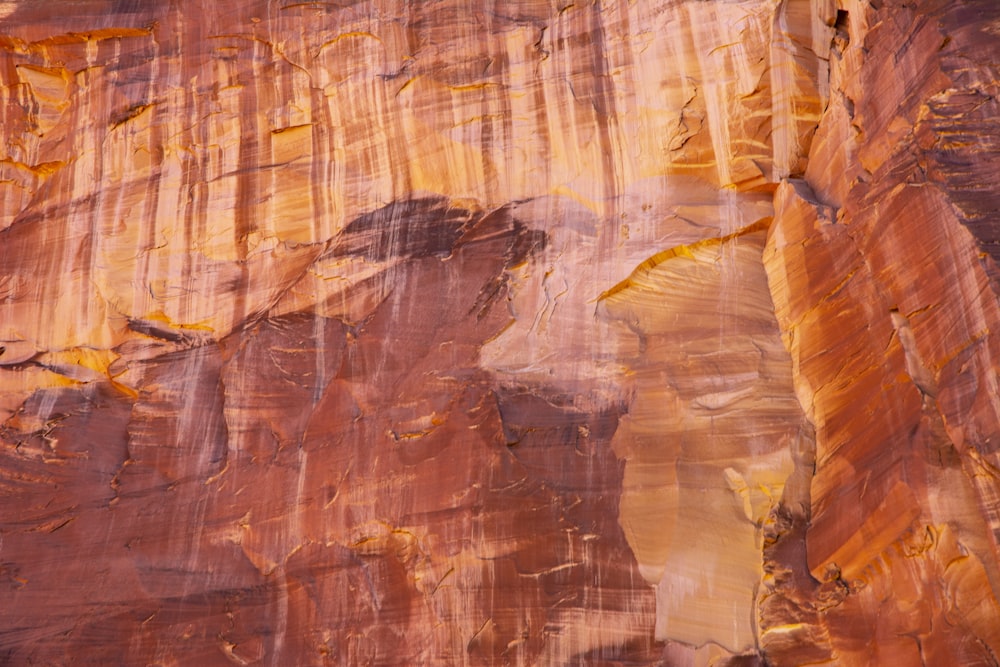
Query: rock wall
x: 500, y: 333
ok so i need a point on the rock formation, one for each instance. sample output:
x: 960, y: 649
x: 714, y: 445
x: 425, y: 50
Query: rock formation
x: 526, y: 332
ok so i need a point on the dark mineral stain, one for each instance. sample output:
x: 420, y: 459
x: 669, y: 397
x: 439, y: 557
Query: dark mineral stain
x: 410, y: 228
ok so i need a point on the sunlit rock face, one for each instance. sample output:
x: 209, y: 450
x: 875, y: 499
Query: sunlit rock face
x: 500, y: 333
x: 881, y: 265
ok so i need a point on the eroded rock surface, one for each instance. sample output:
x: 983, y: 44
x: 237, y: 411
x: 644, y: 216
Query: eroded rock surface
x: 503, y: 333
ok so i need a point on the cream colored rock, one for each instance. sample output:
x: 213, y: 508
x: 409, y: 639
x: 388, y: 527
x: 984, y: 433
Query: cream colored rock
x: 707, y: 441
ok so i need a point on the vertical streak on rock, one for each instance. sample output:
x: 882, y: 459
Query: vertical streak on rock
x: 251, y: 151
x: 147, y: 221
x: 605, y: 112
x: 491, y: 142
x: 699, y: 18
x: 798, y: 72
x: 543, y: 124
x: 401, y: 154
x: 320, y: 164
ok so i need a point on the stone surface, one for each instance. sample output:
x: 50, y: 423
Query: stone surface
x: 500, y: 333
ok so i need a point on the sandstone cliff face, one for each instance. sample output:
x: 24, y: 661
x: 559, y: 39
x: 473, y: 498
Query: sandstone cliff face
x: 500, y: 333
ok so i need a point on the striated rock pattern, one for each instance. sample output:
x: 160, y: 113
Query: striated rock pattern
x: 500, y: 333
